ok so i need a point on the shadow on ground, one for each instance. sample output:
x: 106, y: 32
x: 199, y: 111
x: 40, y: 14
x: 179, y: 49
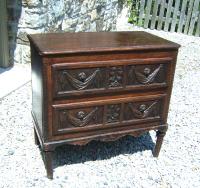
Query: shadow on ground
x: 96, y: 150
x: 2, y: 70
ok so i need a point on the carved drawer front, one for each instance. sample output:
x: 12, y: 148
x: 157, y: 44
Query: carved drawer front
x: 78, y: 117
x: 106, y: 78
x: 146, y: 74
x: 142, y: 110
x: 71, y: 81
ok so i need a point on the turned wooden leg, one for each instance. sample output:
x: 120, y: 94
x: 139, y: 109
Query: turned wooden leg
x: 36, y: 138
x: 48, y: 161
x: 160, y: 135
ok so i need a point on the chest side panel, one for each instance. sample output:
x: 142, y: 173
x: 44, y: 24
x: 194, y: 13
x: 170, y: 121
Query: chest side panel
x: 37, y: 89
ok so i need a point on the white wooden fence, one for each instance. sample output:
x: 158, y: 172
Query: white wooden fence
x: 182, y: 16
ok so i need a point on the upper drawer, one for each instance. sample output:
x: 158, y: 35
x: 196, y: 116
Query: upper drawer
x: 72, y: 79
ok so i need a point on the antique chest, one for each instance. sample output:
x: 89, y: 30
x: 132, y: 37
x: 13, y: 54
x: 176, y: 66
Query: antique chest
x: 99, y: 86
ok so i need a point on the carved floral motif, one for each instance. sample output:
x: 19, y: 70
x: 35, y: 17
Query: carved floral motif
x: 113, y: 113
x: 115, y: 76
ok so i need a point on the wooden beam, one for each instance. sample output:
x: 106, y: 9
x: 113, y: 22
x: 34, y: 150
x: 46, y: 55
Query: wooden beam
x: 4, y: 49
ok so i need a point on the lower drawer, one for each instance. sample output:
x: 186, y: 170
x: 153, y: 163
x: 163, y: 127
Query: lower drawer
x: 105, y: 114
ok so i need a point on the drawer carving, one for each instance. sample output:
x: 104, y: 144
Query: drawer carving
x: 79, y: 81
x: 113, y: 113
x: 80, y: 117
x: 147, y: 77
x: 115, y: 76
x: 143, y: 111
x: 147, y: 74
x: 70, y: 81
x: 80, y: 120
x: 106, y: 115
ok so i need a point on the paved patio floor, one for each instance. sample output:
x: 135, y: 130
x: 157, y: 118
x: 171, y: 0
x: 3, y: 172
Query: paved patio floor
x: 13, y: 78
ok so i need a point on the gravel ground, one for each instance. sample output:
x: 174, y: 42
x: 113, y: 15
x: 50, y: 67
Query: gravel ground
x: 127, y: 162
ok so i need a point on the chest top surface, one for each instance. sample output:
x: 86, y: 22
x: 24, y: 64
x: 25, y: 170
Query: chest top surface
x: 86, y: 42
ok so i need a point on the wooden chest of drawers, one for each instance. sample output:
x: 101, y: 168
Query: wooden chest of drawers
x: 99, y: 86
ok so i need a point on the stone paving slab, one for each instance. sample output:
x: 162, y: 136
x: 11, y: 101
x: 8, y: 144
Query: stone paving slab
x: 13, y: 78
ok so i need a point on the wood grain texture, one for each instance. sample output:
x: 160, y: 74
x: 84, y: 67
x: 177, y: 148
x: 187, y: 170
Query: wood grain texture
x: 188, y: 18
x: 141, y: 15
x: 175, y: 16
x: 161, y: 13
x: 154, y: 14
x: 52, y: 43
x: 197, y: 33
x: 148, y: 11
x: 194, y: 17
x: 182, y: 16
x: 119, y: 87
x: 168, y: 15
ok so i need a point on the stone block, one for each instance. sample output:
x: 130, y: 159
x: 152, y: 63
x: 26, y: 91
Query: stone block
x: 36, y: 16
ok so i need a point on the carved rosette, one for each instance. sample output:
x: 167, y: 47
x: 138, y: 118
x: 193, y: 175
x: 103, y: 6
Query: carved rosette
x: 113, y: 113
x: 115, y: 76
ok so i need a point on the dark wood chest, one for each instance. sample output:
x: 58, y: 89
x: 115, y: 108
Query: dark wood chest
x: 99, y: 86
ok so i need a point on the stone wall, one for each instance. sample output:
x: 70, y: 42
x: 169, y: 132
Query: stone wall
x: 36, y: 16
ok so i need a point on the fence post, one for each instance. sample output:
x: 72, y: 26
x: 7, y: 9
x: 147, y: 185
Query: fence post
x: 4, y: 49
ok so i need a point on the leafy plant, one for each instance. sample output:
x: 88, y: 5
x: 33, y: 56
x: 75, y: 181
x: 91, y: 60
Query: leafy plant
x: 134, y: 11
